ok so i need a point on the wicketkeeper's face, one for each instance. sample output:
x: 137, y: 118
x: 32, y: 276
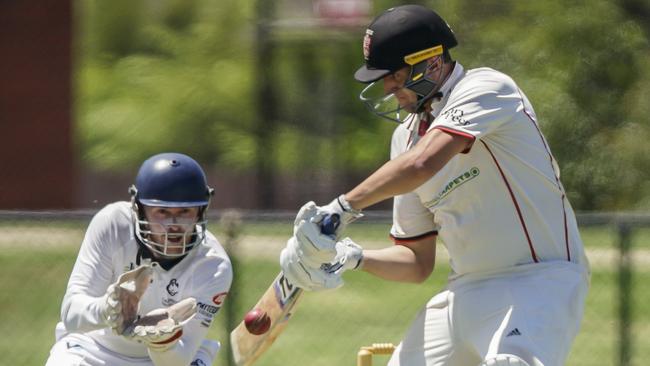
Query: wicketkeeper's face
x: 172, y: 227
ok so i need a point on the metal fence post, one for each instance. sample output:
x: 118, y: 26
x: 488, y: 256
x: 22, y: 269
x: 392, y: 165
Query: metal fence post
x: 231, y: 221
x: 624, y: 292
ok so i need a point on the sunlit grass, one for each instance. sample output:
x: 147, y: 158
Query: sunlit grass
x: 327, y: 328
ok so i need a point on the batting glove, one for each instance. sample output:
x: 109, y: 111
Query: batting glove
x: 311, y: 245
x: 306, y: 212
x: 304, y: 276
x: 349, y: 255
x: 341, y: 207
x: 308, y: 254
x: 122, y: 298
x: 160, y: 329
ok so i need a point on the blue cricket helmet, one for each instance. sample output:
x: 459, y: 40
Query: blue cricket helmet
x: 172, y: 180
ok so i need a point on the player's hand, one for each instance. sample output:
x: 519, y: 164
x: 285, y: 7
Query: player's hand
x: 349, y: 255
x: 306, y: 212
x: 160, y: 329
x: 308, y: 254
x: 311, y: 245
x: 317, y: 245
x: 338, y: 206
x: 304, y: 276
x: 120, y: 305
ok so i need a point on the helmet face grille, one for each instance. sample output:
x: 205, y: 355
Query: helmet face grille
x: 173, y: 244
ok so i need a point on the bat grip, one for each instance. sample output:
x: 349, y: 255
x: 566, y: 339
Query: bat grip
x: 330, y: 224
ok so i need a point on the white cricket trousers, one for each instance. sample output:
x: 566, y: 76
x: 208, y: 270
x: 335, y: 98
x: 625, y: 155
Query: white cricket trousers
x: 534, y: 313
x: 80, y: 350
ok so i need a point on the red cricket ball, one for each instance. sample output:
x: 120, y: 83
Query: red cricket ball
x: 257, y: 321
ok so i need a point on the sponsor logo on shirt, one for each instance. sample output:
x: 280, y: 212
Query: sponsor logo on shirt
x: 453, y: 184
x: 456, y: 116
x: 207, y: 311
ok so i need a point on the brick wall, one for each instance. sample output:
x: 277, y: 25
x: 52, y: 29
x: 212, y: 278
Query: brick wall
x: 36, y: 154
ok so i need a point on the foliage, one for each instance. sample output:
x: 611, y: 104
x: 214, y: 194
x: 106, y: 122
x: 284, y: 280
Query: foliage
x: 174, y: 81
x: 187, y: 76
x: 582, y: 64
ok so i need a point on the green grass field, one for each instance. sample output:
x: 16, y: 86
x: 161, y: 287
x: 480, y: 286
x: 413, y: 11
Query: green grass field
x: 328, y: 327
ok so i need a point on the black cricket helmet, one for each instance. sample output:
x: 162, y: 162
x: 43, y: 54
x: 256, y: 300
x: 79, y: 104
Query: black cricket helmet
x: 406, y: 35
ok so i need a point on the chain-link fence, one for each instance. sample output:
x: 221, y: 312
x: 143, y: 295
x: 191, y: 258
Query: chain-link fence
x: 328, y: 328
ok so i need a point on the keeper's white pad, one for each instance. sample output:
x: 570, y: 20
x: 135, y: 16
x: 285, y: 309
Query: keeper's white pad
x: 80, y: 349
x: 504, y: 360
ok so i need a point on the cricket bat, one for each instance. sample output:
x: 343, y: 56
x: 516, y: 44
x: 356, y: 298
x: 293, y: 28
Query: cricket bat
x: 278, y: 301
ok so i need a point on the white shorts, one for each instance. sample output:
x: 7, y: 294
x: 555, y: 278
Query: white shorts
x: 80, y: 350
x: 534, y: 313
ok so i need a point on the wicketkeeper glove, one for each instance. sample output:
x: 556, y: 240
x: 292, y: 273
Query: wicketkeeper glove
x: 161, y: 328
x: 349, y: 255
x: 122, y: 298
x: 339, y: 206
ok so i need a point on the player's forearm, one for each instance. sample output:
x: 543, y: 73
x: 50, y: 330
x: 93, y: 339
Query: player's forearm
x: 397, y: 176
x: 396, y: 263
x: 82, y: 313
x: 408, y: 171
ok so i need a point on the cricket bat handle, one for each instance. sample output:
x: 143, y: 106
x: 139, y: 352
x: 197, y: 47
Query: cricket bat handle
x: 330, y: 224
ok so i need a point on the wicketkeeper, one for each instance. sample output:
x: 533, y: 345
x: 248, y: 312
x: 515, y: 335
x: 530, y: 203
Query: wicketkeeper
x: 149, y: 277
x: 470, y: 165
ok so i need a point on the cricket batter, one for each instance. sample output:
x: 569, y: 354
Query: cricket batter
x: 470, y: 165
x: 151, y: 256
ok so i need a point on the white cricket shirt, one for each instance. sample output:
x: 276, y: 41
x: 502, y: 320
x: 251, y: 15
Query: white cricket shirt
x: 110, y: 249
x: 500, y: 204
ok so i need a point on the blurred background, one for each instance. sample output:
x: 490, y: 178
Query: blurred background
x: 261, y: 94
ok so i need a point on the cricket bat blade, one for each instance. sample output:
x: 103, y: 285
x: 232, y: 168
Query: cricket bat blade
x: 278, y: 301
